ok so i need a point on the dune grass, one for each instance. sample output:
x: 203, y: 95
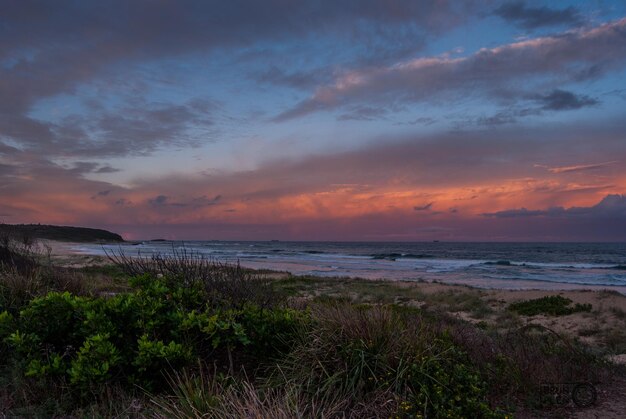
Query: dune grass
x: 182, y: 336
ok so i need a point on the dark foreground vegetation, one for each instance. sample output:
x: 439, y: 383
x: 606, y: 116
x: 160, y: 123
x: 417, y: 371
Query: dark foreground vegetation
x: 29, y: 232
x: 186, y: 337
x: 554, y: 305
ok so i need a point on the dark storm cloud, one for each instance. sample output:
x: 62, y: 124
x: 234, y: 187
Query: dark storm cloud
x: 561, y: 100
x: 612, y: 206
x: 534, y: 17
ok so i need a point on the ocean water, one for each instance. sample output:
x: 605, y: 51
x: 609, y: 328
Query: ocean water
x: 485, y: 265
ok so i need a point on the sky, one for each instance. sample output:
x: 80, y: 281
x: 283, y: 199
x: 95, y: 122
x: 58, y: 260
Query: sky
x: 353, y: 120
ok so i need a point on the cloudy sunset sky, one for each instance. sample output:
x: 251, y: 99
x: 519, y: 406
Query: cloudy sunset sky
x: 316, y: 120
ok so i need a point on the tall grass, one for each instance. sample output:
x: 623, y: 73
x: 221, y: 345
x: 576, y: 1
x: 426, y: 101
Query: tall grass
x: 202, y: 394
x: 26, y: 272
x: 223, y: 284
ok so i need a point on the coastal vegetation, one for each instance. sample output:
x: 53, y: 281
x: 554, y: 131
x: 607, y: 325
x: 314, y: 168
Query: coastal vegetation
x: 553, y: 305
x: 183, y: 336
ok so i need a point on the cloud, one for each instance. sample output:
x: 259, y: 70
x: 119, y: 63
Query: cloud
x: 534, y: 17
x: 363, y: 113
x: 48, y: 49
x: 7, y: 169
x: 6, y: 149
x: 422, y: 120
x: 556, y: 100
x: 611, y: 206
x: 123, y: 202
x: 560, y: 100
x: 135, y: 130
x: 193, y: 203
x: 361, y: 193
x: 107, y: 169
x: 82, y: 167
x: 504, y: 117
x: 303, y: 80
x: 158, y: 200
x: 423, y: 207
x: 522, y: 212
x: 561, y: 58
x: 108, y: 56
x: 577, y: 168
x: 203, y: 201
x: 101, y: 194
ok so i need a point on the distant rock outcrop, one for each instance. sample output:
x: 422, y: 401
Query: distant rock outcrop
x: 60, y: 233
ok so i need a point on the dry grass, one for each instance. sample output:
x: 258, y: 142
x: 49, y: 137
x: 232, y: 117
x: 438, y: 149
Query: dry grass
x: 223, y: 284
x: 199, y: 394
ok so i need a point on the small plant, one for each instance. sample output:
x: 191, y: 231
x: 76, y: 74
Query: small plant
x: 553, y: 305
x: 193, y: 395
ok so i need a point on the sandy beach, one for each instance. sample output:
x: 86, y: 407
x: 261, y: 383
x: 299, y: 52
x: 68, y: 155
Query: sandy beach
x: 607, y: 317
x: 600, y: 327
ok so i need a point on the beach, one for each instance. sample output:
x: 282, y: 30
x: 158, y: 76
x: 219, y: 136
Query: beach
x: 546, y: 335
x: 607, y: 318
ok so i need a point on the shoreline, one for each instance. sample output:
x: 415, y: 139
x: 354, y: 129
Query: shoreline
x: 600, y: 328
x: 66, y: 253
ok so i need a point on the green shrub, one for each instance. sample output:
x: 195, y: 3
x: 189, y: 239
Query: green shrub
x: 136, y: 336
x: 56, y: 319
x: 154, y: 357
x: 360, y: 353
x: 445, y: 385
x: 553, y: 305
x: 95, y: 362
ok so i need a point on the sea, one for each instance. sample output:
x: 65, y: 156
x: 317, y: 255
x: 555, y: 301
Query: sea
x: 551, y: 266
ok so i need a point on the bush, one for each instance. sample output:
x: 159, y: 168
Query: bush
x: 223, y: 285
x: 553, y: 305
x: 360, y: 353
x: 95, y: 362
x: 135, y: 337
